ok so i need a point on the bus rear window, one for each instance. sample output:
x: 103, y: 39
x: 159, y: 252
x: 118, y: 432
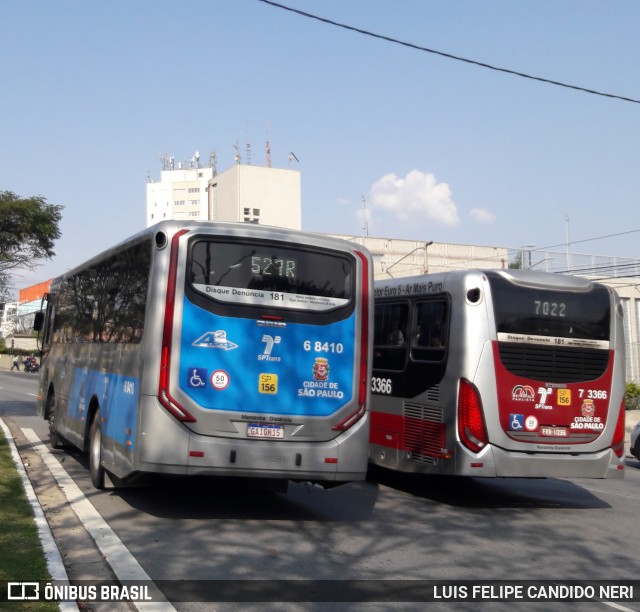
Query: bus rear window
x: 548, y: 312
x: 270, y: 274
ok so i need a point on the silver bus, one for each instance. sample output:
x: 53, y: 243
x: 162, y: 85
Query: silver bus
x: 203, y: 348
x: 498, y: 373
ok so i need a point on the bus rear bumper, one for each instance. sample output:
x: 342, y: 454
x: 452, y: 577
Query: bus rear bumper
x: 318, y: 461
x: 342, y: 459
x: 497, y: 462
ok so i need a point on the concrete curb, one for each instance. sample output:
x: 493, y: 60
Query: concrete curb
x: 85, y: 544
x: 55, y: 565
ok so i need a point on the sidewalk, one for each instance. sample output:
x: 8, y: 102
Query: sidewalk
x: 6, y: 360
x: 81, y: 557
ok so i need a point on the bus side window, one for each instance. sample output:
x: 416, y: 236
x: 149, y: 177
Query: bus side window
x: 390, y: 336
x: 430, y: 336
x: 48, y: 323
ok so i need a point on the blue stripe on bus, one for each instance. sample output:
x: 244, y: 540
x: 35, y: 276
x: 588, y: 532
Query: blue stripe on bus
x: 117, y: 396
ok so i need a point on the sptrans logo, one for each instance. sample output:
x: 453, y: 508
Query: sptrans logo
x: 269, y: 342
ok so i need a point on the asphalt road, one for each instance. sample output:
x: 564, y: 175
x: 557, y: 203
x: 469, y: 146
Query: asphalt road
x: 389, y: 527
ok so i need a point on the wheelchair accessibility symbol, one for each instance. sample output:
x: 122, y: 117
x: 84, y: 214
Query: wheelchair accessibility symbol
x: 197, y: 377
x: 516, y: 422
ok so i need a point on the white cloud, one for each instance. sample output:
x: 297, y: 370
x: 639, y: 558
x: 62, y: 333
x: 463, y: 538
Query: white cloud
x: 417, y: 194
x: 482, y: 215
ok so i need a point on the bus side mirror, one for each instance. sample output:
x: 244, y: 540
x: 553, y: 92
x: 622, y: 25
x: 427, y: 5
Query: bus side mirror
x: 38, y: 321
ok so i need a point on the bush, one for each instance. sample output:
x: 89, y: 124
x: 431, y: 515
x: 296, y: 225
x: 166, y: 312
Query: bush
x: 632, y: 396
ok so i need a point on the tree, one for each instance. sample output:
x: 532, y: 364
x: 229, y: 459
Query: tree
x: 28, y: 230
x: 632, y: 396
x: 5, y: 289
x: 516, y: 264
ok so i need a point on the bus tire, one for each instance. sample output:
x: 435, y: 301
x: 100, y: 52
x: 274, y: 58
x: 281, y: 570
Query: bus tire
x: 55, y: 439
x: 95, y: 452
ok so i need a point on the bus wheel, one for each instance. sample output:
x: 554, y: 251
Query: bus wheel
x: 54, y: 437
x: 95, y: 450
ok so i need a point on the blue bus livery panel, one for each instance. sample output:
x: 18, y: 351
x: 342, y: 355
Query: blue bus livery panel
x: 118, y: 396
x: 265, y: 366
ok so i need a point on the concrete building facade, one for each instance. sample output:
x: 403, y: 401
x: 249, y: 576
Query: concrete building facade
x: 243, y: 193
x: 393, y: 257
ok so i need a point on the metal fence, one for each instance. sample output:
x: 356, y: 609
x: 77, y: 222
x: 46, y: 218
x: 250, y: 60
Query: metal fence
x: 580, y: 264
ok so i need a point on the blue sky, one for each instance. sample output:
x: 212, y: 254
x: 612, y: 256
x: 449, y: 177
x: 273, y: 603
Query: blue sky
x: 93, y: 94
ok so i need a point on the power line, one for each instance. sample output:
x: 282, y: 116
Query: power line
x: 562, y: 244
x: 449, y: 55
x: 534, y: 249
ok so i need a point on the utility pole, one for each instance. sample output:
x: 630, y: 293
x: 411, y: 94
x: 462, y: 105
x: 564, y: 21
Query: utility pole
x: 566, y: 219
x: 365, y: 228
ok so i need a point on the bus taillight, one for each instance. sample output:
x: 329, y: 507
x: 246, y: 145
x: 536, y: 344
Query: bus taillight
x: 363, y: 384
x: 167, y: 335
x: 617, y: 444
x: 471, y: 426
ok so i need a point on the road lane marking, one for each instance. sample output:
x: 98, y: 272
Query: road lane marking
x: 122, y: 562
x: 617, y: 606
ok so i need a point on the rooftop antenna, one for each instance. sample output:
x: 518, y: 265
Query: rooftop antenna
x: 292, y: 156
x: 166, y: 161
x: 248, y: 156
x: 236, y: 157
x: 268, y: 144
x: 213, y: 162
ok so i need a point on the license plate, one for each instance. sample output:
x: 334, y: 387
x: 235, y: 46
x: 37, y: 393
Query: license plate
x: 265, y: 431
x: 554, y: 432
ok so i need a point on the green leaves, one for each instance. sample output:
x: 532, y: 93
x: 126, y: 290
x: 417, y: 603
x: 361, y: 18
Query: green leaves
x: 29, y: 228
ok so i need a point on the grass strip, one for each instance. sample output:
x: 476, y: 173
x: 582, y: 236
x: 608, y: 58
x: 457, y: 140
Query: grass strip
x: 21, y: 555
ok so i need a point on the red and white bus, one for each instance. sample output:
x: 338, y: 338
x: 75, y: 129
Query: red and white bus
x: 498, y: 373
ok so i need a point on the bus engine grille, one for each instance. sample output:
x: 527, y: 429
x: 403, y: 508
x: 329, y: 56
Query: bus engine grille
x: 553, y: 364
x: 423, y: 432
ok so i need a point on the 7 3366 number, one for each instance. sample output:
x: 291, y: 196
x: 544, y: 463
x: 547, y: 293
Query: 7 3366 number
x: 381, y: 386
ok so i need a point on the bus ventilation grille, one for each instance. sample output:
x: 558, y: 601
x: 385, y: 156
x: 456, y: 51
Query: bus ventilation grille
x: 423, y: 432
x: 553, y: 364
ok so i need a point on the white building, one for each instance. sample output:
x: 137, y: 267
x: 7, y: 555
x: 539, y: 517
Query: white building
x: 394, y: 257
x: 244, y: 193
x: 8, y: 315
